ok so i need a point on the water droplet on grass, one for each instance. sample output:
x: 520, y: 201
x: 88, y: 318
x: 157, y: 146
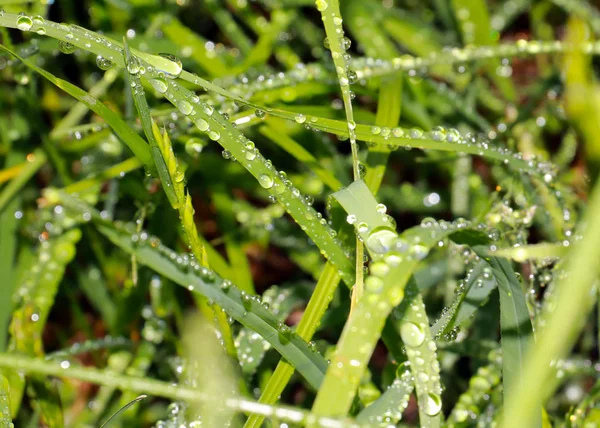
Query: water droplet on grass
x: 169, y: 64
x: 103, y: 63
x: 66, y: 47
x: 24, y: 23
x: 159, y: 84
x: 411, y: 334
x: 266, y: 181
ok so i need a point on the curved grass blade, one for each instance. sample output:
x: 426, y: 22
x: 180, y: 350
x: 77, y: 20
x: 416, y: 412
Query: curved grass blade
x: 137, y: 145
x: 35, y: 161
x: 515, y: 322
x: 395, y: 258
x: 446, y: 141
x: 247, y: 309
x: 474, y: 291
x: 122, y: 409
x: 475, y: 398
x: 5, y: 419
x: 251, y: 346
x: 387, y: 410
x: 533, y: 252
x: 164, y: 389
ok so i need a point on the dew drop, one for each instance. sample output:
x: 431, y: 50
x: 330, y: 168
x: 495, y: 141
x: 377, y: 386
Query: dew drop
x: 185, y: 107
x: 159, y: 84
x: 24, y: 23
x: 66, y: 47
x: 103, y: 63
x: 266, y: 181
x: 300, y: 118
x: 201, y: 124
x: 170, y: 65
x: 322, y: 5
x: 411, y: 334
x: 433, y: 406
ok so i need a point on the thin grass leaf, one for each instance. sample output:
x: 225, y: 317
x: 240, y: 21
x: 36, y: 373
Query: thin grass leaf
x: 515, y: 322
x: 317, y: 305
x: 137, y: 145
x: 164, y: 389
x: 122, y: 409
x: 5, y: 419
x: 241, y: 306
x: 533, y: 252
x: 388, y: 408
x: 8, y: 252
x: 35, y: 160
x: 472, y: 293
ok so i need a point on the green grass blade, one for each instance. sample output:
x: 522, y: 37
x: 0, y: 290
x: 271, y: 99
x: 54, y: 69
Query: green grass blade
x: 533, y: 252
x: 388, y: 408
x: 8, y: 252
x: 515, y: 322
x: 161, y: 389
x: 5, y: 419
x: 317, y: 305
x: 137, y: 145
x: 35, y: 161
x: 473, y: 293
x: 247, y: 309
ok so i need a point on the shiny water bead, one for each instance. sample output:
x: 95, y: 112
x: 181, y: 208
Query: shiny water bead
x: 169, y: 65
x: 266, y: 181
x: 134, y: 65
x: 185, y: 107
x: 66, y: 47
x: 201, y: 124
x: 322, y: 5
x: 159, y: 84
x: 300, y: 118
x: 103, y: 63
x: 24, y: 23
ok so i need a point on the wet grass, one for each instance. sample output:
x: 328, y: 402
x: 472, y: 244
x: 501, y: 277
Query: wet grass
x: 296, y: 213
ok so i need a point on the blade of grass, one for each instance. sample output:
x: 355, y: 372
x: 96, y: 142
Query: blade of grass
x: 8, y: 252
x: 241, y: 306
x: 474, y: 22
x: 515, y: 324
x: 35, y: 160
x: 160, y: 389
x: 388, y: 408
x: 137, y: 145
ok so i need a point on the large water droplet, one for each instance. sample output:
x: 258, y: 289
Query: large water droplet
x: 169, y: 64
x: 412, y: 335
x: 266, y: 181
x: 103, y: 63
x: 322, y: 5
x: 433, y: 406
x: 159, y: 84
x: 24, y: 23
x: 202, y: 124
x: 66, y: 47
x: 380, y: 240
x: 133, y: 65
x: 185, y: 107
